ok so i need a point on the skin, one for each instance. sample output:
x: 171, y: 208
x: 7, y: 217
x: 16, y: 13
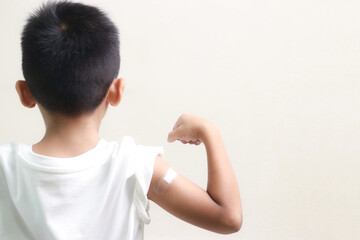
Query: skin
x: 217, y: 209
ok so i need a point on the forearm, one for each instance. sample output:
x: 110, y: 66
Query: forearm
x: 222, y: 186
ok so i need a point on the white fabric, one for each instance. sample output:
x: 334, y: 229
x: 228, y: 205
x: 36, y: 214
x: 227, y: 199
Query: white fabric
x: 100, y: 194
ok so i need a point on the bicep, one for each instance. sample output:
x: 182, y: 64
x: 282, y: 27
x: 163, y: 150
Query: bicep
x: 186, y: 200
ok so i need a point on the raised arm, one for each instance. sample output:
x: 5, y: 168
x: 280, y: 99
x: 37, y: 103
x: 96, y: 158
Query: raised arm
x: 218, y: 208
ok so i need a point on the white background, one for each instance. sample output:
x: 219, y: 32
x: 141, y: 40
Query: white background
x: 280, y: 78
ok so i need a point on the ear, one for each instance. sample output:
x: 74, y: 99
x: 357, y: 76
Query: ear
x: 25, y: 94
x: 115, y: 92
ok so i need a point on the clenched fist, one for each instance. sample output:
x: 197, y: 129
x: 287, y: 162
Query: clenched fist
x: 190, y: 129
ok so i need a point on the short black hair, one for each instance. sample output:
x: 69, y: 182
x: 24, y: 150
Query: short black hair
x: 70, y: 56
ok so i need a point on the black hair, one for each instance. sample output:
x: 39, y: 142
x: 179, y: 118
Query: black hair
x: 70, y: 56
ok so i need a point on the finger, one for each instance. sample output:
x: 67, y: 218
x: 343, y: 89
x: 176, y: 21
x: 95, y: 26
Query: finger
x: 177, y: 123
x: 174, y: 135
x: 171, y: 137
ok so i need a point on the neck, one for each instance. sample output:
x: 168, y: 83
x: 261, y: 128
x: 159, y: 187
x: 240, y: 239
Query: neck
x: 69, y: 136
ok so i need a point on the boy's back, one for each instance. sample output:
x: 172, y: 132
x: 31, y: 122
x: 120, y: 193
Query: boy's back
x: 100, y: 194
x: 75, y: 185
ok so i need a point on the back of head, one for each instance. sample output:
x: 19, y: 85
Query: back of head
x: 70, y: 56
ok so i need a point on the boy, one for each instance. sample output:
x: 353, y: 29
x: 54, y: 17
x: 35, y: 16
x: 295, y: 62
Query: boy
x: 75, y: 185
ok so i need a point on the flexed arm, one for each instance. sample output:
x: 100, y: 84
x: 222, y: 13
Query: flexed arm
x: 218, y: 208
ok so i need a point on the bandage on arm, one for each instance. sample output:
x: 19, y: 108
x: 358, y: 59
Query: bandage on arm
x: 164, y: 183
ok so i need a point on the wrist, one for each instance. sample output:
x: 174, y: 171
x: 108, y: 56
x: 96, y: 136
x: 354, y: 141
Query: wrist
x: 208, y: 130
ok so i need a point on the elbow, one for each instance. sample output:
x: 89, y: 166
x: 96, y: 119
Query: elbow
x: 232, y: 222
x: 235, y: 223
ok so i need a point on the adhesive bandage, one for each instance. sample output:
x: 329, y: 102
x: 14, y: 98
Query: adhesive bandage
x: 164, y: 183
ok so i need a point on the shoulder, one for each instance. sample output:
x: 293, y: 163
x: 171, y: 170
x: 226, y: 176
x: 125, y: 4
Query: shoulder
x: 122, y: 147
x: 8, y: 146
x: 129, y: 147
x: 8, y: 156
x: 8, y: 150
x: 137, y: 157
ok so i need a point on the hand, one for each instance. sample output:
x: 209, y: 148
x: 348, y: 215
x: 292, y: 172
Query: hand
x: 188, y: 129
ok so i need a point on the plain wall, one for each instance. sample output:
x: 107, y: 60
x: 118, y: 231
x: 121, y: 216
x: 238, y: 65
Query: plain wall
x: 280, y: 78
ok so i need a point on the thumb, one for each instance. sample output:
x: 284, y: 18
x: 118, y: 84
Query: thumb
x: 174, y: 135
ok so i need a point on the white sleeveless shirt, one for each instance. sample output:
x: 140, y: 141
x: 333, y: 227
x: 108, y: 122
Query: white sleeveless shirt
x: 100, y: 194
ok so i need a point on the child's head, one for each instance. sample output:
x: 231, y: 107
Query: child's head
x: 70, y: 57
